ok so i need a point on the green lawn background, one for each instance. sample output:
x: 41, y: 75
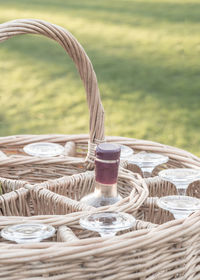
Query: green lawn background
x: 146, y: 56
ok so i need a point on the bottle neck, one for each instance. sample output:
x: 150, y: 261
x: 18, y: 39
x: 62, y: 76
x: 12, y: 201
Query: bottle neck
x: 105, y: 190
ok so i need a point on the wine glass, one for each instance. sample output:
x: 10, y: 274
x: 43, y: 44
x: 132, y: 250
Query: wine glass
x: 148, y: 161
x: 180, y: 177
x: 43, y: 149
x: 179, y: 205
x: 107, y: 223
x: 27, y: 233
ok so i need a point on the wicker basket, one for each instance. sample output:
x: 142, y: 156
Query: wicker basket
x: 147, y: 251
x: 156, y: 248
x: 62, y: 196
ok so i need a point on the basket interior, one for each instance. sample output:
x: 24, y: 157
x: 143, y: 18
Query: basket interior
x: 19, y: 166
x: 29, y: 202
x: 60, y: 197
x: 150, y: 211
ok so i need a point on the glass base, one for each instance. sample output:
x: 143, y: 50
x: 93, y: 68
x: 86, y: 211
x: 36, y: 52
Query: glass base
x: 107, y: 223
x: 27, y: 233
x: 180, y: 206
x: 148, y: 161
x: 180, y: 176
x: 43, y: 149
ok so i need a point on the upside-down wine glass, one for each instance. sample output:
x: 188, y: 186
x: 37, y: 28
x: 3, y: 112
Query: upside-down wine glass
x: 27, y: 233
x: 43, y: 149
x: 107, y: 224
x: 180, y: 177
x: 148, y: 161
x: 180, y: 206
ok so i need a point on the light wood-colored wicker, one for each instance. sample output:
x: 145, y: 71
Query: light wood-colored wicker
x: 47, y: 190
x: 148, y: 251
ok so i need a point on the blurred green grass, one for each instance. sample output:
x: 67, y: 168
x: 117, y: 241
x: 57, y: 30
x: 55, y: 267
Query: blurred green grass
x: 146, y: 57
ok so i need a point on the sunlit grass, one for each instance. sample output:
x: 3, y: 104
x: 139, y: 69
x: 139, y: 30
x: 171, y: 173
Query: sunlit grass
x: 145, y: 55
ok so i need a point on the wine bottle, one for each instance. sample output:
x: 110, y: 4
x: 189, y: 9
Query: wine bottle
x: 106, y: 173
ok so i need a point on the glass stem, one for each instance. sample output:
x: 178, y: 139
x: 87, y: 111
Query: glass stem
x: 107, y: 234
x: 147, y: 172
x: 181, y: 190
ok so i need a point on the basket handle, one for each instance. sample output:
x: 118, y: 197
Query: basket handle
x: 81, y: 60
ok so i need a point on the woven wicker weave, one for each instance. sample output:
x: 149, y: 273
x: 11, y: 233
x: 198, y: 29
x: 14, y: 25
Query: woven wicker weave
x: 148, y: 251
x: 157, y: 247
